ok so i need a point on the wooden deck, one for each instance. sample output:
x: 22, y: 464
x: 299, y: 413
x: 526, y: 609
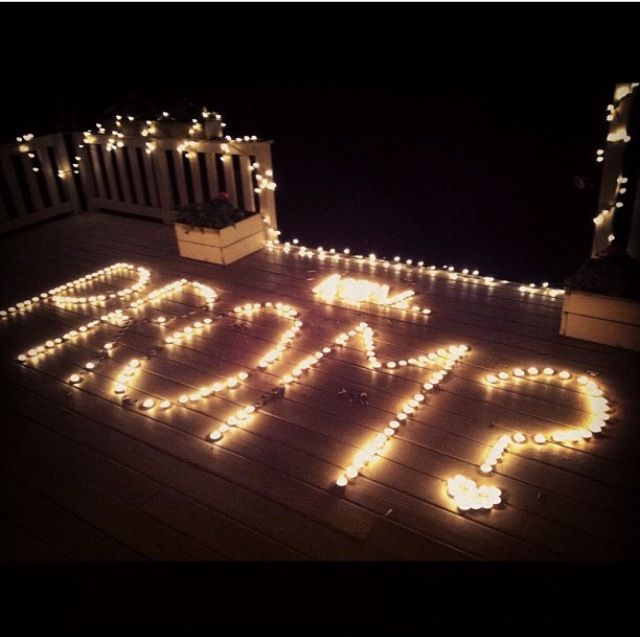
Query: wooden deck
x: 86, y: 477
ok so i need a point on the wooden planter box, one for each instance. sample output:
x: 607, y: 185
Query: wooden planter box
x: 221, y: 246
x: 601, y: 319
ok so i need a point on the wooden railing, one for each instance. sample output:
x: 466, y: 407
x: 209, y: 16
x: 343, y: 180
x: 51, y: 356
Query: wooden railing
x: 142, y: 168
x: 37, y: 181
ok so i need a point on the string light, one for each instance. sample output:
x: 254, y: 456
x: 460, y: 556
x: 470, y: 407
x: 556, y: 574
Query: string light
x: 54, y: 295
x: 465, y: 276
x: 468, y: 495
x: 447, y: 359
x: 334, y: 287
x: 143, y: 278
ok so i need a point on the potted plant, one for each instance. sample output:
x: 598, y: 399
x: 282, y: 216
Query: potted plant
x: 602, y: 300
x: 217, y: 232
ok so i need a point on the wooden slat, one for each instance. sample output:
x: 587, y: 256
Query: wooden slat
x: 520, y: 337
x: 87, y: 169
x: 132, y: 208
x: 56, y: 526
x: 149, y: 176
x: 164, y: 184
x: 97, y: 171
x: 212, y: 174
x: 62, y: 158
x: 49, y: 176
x: 110, y: 176
x: 176, y: 158
x: 223, y: 493
x: 4, y: 210
x: 137, y: 177
x: 195, y: 177
x: 14, y: 189
x: 36, y: 217
x: 559, y: 503
x: 18, y: 544
x: 32, y: 184
x: 247, y: 182
x: 230, y: 179
x: 124, y: 177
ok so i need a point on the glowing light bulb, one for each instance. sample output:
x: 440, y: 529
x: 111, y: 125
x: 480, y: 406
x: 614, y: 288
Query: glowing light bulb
x: 519, y: 437
x: 342, y: 481
x: 148, y: 403
x: 75, y: 378
x: 539, y: 439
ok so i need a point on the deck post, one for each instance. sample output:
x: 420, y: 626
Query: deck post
x: 613, y: 159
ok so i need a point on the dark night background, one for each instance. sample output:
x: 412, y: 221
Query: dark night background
x: 452, y: 134
x: 385, y: 140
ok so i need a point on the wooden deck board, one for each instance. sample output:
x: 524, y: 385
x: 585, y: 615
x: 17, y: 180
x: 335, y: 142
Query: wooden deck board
x: 560, y: 503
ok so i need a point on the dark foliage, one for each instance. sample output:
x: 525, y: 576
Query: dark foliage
x: 612, y: 273
x: 217, y: 214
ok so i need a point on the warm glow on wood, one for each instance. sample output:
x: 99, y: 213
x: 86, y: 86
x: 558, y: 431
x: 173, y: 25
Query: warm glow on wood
x: 466, y: 493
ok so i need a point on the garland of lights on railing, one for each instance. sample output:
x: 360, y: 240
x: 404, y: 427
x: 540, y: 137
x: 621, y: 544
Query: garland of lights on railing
x: 186, y: 147
x: 148, y: 129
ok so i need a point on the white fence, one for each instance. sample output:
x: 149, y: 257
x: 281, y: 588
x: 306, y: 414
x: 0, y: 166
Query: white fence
x: 142, y: 168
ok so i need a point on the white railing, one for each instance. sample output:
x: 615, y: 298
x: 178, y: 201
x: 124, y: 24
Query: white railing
x: 143, y: 168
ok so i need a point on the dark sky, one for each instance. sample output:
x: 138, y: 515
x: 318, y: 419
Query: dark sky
x: 388, y: 147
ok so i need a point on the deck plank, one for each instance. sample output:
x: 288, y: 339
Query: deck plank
x: 265, y: 491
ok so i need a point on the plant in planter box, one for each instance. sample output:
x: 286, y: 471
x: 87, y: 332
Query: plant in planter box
x: 217, y: 213
x: 216, y: 231
x: 612, y: 272
x: 602, y: 303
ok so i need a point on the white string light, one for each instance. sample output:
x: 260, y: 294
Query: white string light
x: 54, y: 295
x: 468, y: 495
x: 408, y: 265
